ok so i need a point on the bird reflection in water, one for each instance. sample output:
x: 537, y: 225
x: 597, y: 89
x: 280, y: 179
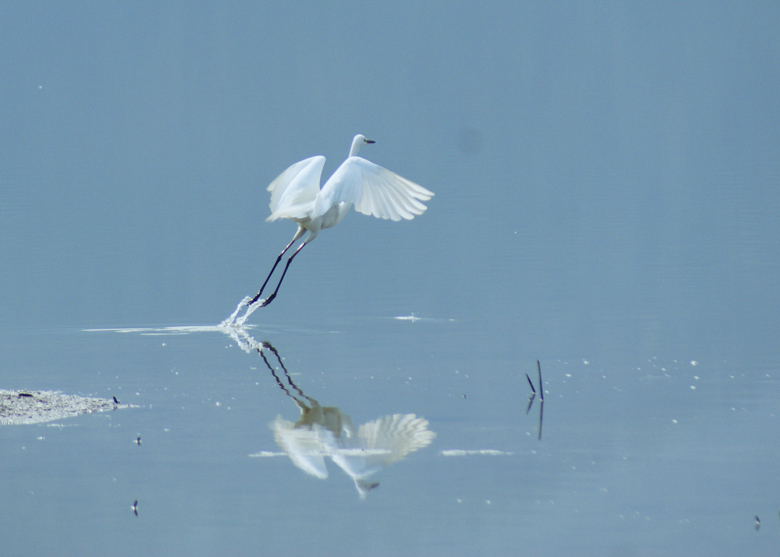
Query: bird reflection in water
x: 326, y: 431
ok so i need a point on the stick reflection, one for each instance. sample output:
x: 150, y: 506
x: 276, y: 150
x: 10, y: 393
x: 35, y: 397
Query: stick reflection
x: 533, y: 397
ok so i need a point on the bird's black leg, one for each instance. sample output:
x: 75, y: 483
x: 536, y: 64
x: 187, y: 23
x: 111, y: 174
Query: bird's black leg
x: 278, y: 259
x: 272, y: 296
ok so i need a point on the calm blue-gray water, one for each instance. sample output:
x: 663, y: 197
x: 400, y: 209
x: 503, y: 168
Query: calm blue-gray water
x: 607, y: 184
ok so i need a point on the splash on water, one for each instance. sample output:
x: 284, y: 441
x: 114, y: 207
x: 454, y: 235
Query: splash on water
x: 234, y: 320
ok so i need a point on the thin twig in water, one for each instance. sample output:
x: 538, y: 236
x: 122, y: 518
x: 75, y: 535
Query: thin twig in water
x: 541, y: 387
x: 531, y: 383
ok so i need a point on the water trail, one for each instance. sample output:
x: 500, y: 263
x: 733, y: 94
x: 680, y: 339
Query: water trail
x: 176, y: 330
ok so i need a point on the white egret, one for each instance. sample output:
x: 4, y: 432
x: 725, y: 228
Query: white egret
x: 373, y: 190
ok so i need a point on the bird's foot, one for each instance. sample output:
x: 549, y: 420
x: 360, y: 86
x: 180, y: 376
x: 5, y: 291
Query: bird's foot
x: 258, y: 302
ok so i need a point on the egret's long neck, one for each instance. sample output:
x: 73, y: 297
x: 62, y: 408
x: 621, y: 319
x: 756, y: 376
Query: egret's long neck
x: 357, y: 143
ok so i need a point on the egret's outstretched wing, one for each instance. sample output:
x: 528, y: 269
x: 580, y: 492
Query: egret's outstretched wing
x: 294, y: 190
x: 373, y: 190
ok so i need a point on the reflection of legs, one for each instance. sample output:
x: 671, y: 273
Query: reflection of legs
x: 272, y: 296
x: 270, y: 347
x: 298, y: 234
x: 271, y: 369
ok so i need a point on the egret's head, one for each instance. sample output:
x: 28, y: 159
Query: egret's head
x: 357, y: 143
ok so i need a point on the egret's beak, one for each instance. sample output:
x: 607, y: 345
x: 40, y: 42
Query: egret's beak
x: 370, y: 141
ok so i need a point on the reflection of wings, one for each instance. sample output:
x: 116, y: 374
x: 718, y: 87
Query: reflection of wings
x: 376, y: 445
x: 391, y: 438
x: 381, y: 443
x: 400, y: 433
x: 305, y: 446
